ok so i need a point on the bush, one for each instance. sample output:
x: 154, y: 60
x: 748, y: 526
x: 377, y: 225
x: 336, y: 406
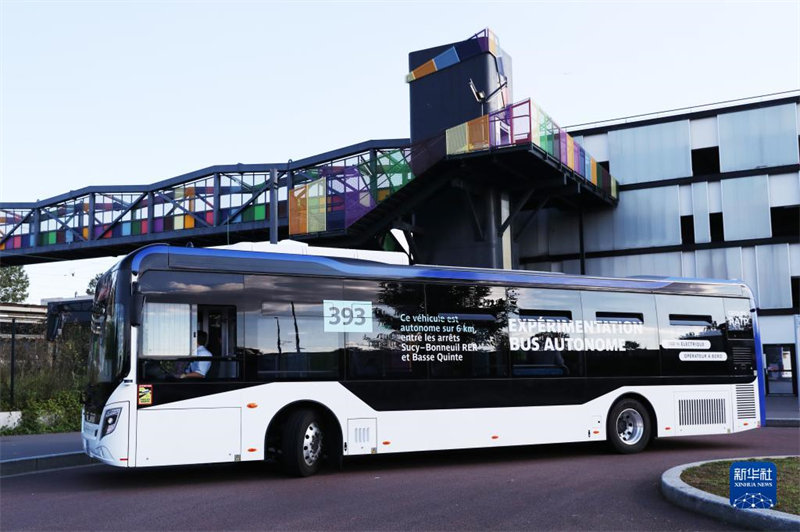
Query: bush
x: 59, y: 413
x: 48, y: 382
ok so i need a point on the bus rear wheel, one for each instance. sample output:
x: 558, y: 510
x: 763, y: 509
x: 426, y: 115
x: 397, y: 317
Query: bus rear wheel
x: 628, y: 426
x: 302, y: 443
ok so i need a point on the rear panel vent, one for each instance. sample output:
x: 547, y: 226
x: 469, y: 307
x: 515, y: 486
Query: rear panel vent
x: 743, y: 355
x: 701, y: 412
x: 745, y: 401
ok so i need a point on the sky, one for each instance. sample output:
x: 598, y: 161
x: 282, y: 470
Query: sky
x: 133, y: 92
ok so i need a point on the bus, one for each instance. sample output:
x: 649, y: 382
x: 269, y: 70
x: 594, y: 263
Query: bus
x: 313, y: 359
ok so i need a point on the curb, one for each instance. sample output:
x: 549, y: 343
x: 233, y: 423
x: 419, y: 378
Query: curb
x: 682, y: 494
x: 21, y: 466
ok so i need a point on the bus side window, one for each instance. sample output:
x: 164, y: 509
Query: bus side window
x: 166, y: 336
x: 285, y: 335
x: 691, y: 335
x: 621, y: 334
x: 545, y: 333
x: 384, y: 349
x: 470, y: 339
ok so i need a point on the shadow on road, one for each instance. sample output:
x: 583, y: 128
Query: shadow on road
x: 109, y: 478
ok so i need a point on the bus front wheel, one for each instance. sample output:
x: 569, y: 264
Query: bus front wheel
x: 302, y: 443
x: 628, y: 426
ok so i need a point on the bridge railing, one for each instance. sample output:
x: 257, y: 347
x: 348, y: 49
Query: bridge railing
x: 524, y: 123
x: 313, y: 195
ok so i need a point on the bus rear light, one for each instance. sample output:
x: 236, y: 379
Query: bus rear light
x: 123, y: 459
x: 495, y: 436
x: 252, y: 405
x: 252, y: 450
x: 595, y: 432
x: 746, y: 423
x: 667, y: 428
x: 387, y: 442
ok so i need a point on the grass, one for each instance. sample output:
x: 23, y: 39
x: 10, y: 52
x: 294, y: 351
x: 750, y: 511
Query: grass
x: 714, y: 478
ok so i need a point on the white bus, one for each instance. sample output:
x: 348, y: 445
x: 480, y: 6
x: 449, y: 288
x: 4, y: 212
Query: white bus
x: 316, y: 358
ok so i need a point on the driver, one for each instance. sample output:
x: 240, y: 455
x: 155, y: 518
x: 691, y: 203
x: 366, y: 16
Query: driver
x: 197, y: 369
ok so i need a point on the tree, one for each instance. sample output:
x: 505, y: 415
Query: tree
x: 93, y: 284
x: 14, y: 284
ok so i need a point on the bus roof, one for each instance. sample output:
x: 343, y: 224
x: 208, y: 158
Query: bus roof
x: 165, y: 257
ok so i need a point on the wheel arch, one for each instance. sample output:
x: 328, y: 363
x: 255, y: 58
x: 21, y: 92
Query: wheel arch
x: 645, y: 402
x: 330, y: 422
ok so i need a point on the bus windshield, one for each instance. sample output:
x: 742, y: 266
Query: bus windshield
x: 106, y: 354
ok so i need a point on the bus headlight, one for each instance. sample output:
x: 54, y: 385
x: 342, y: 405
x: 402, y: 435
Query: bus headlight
x: 110, y: 421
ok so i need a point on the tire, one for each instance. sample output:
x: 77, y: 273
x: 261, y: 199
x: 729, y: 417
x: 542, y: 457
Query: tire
x: 629, y: 427
x: 302, y: 443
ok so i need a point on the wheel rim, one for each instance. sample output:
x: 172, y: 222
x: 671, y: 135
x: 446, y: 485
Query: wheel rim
x: 312, y: 444
x: 630, y: 426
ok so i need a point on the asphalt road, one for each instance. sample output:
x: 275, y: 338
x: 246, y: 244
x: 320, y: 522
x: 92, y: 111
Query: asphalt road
x: 576, y: 486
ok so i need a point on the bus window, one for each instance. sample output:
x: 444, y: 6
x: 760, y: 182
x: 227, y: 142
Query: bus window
x: 545, y: 333
x: 470, y: 339
x: 621, y: 335
x: 390, y: 347
x: 284, y: 328
x: 692, y: 344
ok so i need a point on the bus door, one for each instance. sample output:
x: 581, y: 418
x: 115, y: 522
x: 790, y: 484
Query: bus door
x: 185, y: 420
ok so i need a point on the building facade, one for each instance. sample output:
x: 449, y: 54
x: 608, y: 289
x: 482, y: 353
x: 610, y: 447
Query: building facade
x: 710, y: 192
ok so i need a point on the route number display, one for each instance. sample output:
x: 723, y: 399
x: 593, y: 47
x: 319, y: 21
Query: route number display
x: 347, y: 316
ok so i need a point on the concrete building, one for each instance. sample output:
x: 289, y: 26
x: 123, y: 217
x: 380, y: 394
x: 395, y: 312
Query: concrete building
x: 712, y: 191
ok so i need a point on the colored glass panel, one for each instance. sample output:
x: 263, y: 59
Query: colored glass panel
x: 144, y: 227
x: 158, y: 225
x: 570, y: 151
x: 445, y: 59
x: 428, y: 67
x: 85, y: 233
x: 260, y: 212
x: 136, y: 227
x: 521, y: 122
x: 500, y: 128
x: 456, y: 139
x: 188, y: 221
x: 210, y: 218
x: 478, y: 133
x: 177, y: 222
x: 594, y: 171
x: 126, y: 228
x: 248, y: 215
x: 298, y: 221
x: 317, y: 206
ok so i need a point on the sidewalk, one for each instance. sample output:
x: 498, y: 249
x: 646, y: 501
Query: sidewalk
x: 783, y: 411
x: 39, y: 452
